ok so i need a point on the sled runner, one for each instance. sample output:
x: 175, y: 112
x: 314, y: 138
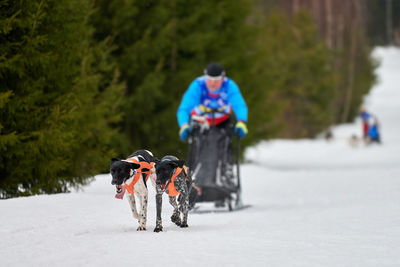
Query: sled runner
x: 198, y: 210
x: 213, y: 165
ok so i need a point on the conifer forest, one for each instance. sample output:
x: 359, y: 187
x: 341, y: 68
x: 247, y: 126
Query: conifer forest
x: 82, y: 81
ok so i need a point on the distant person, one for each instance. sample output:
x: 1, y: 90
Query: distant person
x: 373, y: 130
x: 365, y: 126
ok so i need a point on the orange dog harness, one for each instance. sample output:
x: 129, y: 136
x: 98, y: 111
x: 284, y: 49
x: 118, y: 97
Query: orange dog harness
x: 139, y: 171
x: 172, y: 192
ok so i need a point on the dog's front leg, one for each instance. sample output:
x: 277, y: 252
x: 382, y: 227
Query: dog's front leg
x: 143, y: 210
x: 132, y: 203
x: 185, y: 210
x: 184, y: 204
x: 159, y: 227
x: 175, y: 218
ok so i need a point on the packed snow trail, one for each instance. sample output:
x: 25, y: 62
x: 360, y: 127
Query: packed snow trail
x: 314, y: 203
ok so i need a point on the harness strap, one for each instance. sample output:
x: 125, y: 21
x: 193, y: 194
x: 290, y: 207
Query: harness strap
x: 139, y: 171
x: 171, y: 186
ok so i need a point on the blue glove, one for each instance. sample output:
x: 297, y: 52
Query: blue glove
x: 184, y: 132
x: 241, y: 129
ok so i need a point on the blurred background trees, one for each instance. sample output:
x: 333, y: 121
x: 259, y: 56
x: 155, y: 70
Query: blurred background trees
x: 55, y: 108
x: 82, y: 81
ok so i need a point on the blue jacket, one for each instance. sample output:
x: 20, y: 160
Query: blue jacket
x: 364, y: 115
x: 197, y: 93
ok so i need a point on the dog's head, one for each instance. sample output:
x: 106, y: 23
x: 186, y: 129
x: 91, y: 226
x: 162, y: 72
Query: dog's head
x: 120, y: 170
x: 165, y: 170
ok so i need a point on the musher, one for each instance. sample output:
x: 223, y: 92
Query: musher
x: 212, y: 91
x: 365, y: 116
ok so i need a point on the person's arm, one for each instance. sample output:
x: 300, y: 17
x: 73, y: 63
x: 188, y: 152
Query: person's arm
x: 190, y: 99
x: 235, y: 98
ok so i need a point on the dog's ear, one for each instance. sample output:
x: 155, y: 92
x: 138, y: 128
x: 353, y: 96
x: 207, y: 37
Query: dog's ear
x: 114, y: 160
x: 155, y: 160
x: 173, y: 163
x: 177, y: 163
x: 180, y: 163
x: 134, y: 165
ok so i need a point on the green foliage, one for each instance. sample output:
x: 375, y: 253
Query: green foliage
x: 10, y: 138
x: 354, y: 67
x: 283, y: 68
x: 364, y: 79
x: 161, y: 47
x: 56, y: 102
x: 293, y: 81
x: 85, y: 80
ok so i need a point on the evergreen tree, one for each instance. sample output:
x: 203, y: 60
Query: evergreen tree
x: 161, y: 47
x: 56, y: 103
x: 67, y: 98
x: 295, y: 81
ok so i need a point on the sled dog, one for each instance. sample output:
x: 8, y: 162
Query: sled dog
x: 173, y: 178
x: 131, y: 175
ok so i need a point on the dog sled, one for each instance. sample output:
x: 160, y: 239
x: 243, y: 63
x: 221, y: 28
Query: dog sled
x: 214, y: 162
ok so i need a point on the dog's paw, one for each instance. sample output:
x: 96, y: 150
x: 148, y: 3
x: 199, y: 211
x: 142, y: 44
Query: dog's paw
x: 141, y: 228
x: 184, y: 225
x: 158, y: 229
x: 176, y: 219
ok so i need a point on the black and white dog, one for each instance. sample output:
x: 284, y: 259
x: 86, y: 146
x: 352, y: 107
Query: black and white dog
x: 131, y: 175
x: 172, y: 177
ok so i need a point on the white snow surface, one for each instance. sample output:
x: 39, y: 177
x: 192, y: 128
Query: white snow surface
x: 313, y: 203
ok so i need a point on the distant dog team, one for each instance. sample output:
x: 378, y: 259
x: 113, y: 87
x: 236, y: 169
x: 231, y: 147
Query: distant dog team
x: 168, y: 175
